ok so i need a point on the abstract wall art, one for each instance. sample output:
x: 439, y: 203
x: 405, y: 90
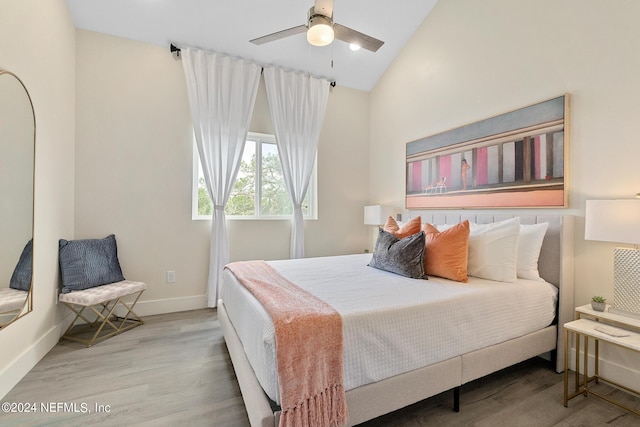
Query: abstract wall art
x: 514, y: 160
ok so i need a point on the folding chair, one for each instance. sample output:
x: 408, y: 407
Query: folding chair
x: 103, y: 301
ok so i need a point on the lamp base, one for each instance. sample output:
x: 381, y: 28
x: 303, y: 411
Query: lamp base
x: 626, y: 282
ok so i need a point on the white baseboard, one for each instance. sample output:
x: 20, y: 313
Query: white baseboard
x: 628, y: 376
x: 172, y: 305
x: 13, y: 373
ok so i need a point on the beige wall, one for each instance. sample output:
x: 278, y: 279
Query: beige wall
x: 134, y: 165
x: 471, y: 60
x: 37, y: 42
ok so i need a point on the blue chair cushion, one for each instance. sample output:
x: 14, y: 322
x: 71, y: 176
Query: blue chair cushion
x: 89, y: 263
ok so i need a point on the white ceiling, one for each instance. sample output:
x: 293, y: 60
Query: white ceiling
x: 227, y: 26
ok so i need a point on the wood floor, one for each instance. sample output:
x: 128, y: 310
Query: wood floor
x: 175, y: 370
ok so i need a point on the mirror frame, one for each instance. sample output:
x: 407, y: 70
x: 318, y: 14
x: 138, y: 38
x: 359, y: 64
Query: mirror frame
x: 28, y: 305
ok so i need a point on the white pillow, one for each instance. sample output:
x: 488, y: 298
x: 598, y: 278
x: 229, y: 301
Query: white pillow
x: 443, y: 227
x: 493, y: 250
x: 529, y: 244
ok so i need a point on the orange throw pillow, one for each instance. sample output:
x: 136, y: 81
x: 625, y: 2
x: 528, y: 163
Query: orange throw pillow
x: 446, y: 253
x: 408, y: 229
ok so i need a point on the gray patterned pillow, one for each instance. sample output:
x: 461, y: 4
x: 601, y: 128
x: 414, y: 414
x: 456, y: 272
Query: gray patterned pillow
x: 400, y: 256
x: 88, y: 263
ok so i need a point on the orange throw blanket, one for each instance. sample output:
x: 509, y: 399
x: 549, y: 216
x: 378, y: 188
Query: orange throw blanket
x: 309, y: 351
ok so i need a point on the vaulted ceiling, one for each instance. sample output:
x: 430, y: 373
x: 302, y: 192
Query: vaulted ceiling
x: 227, y: 26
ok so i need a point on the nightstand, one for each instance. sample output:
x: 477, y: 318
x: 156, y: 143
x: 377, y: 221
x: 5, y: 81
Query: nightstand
x: 602, y: 326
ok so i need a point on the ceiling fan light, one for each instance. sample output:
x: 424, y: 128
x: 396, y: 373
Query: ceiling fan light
x: 320, y: 32
x: 354, y: 47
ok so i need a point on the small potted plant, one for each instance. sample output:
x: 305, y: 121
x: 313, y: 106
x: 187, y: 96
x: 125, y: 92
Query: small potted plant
x: 598, y: 303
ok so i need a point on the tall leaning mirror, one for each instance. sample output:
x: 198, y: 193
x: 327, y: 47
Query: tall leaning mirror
x: 17, y: 149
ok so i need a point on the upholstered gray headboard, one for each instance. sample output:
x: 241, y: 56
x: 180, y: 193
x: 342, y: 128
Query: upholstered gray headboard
x: 557, y: 248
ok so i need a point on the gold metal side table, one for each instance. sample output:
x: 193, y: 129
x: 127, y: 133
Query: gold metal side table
x: 606, y: 327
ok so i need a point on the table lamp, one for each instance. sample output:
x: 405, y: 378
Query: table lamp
x: 619, y: 221
x: 377, y: 214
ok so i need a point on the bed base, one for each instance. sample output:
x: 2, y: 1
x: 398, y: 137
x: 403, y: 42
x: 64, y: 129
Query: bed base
x: 376, y: 399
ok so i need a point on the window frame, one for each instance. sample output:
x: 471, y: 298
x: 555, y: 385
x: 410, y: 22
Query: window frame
x: 258, y: 139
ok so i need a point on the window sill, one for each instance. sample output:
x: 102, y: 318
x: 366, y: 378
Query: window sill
x: 235, y: 218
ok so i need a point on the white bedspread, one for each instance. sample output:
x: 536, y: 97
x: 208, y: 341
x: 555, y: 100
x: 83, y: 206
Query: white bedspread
x: 392, y: 324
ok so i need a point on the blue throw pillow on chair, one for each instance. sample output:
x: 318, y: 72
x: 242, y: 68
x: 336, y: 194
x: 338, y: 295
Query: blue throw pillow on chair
x: 21, y: 277
x: 89, y: 263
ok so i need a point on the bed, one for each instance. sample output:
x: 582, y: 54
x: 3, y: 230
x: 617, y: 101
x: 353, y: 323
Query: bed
x: 380, y: 378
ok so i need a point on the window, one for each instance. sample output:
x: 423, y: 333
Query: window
x: 259, y: 191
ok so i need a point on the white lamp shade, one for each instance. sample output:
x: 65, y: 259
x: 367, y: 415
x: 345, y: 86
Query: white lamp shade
x: 377, y: 214
x: 613, y: 221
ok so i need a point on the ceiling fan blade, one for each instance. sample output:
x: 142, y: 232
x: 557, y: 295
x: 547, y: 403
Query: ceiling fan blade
x: 280, y: 34
x: 323, y: 7
x: 349, y: 35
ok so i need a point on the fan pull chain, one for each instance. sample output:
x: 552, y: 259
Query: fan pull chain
x: 332, y: 53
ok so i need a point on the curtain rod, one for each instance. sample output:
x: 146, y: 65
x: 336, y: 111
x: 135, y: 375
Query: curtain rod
x: 173, y: 48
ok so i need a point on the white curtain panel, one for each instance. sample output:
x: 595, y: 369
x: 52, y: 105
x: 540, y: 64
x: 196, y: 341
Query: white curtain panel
x: 297, y: 103
x: 222, y: 93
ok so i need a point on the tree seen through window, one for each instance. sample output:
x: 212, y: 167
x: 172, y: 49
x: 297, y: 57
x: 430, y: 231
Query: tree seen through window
x: 260, y: 183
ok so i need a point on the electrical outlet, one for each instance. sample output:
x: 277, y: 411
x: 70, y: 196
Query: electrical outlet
x: 171, y: 276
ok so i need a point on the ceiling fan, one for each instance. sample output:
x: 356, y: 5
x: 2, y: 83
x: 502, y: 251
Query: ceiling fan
x: 321, y: 30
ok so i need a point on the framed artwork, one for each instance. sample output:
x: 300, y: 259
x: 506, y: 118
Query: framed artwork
x: 514, y: 160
